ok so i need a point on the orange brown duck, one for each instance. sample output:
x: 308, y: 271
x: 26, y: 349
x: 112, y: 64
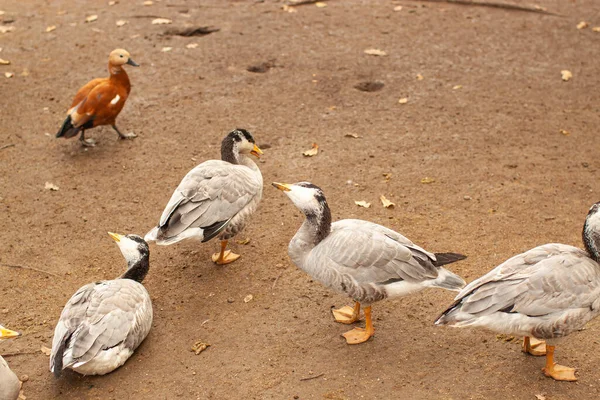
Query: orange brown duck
x: 100, y: 101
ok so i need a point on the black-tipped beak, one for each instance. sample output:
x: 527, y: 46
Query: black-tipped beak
x: 133, y: 63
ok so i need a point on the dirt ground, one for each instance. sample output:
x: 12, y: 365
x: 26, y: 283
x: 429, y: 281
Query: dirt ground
x: 484, y: 122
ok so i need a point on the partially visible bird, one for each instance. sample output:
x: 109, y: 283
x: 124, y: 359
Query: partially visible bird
x: 216, y: 198
x: 104, y: 322
x: 546, y: 293
x: 364, y: 260
x: 10, y: 385
x: 100, y: 101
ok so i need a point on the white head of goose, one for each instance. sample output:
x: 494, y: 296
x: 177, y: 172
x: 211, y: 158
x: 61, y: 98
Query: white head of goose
x: 216, y: 198
x: 104, y: 322
x: 546, y: 293
x: 366, y: 261
x: 10, y: 386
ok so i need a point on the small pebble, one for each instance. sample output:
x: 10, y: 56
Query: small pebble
x: 467, y: 197
x: 24, y: 378
x: 230, y: 300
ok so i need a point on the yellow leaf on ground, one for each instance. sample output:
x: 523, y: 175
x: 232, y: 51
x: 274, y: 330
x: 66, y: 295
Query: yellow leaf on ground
x: 362, y: 203
x: 199, y: 347
x: 386, y: 203
x: 312, y: 152
x: 582, y: 25
x: 564, y: 132
x: 243, y: 241
x: 5, y: 29
x: 112, y: 3
x: 248, y: 298
x: 91, y: 18
x: 403, y: 100
x: 166, y: 49
x: 50, y: 186
x: 596, y: 29
x: 320, y: 4
x: 191, y: 45
x: 148, y: 3
x: 46, y: 350
x: 387, y: 175
x: 121, y: 22
x: 161, y: 21
x: 420, y: 77
x: 351, y: 135
x: 4, y: 62
x: 427, y: 180
x: 9, y: 74
x: 375, y: 52
x: 398, y: 8
x: 456, y: 87
x: 566, y: 74
x: 289, y: 9
x: 51, y: 28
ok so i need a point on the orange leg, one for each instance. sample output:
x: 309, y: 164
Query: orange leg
x: 347, y: 314
x: 556, y: 371
x: 359, y: 335
x: 533, y: 346
x: 224, y: 257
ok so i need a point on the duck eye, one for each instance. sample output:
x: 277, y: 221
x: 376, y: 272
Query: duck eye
x: 121, y: 56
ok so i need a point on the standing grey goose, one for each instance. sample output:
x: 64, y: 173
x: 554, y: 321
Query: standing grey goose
x: 546, y: 293
x: 216, y: 198
x: 10, y: 385
x: 104, y: 322
x: 367, y: 261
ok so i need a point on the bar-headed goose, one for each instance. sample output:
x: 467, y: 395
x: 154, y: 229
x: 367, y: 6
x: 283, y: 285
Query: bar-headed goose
x: 216, y: 198
x: 10, y: 385
x: 104, y: 322
x: 368, y: 262
x: 546, y: 293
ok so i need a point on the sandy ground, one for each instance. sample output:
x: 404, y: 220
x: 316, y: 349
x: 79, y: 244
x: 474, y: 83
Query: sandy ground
x: 506, y: 180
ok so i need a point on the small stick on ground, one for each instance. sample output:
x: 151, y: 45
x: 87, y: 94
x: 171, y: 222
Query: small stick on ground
x: 29, y: 268
x: 275, y: 281
x: 495, y: 4
x: 18, y: 353
x: 292, y: 3
x: 312, y: 377
x: 6, y: 146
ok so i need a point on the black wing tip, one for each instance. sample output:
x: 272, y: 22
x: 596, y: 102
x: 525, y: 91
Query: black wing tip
x: 442, y: 318
x: 448, y: 258
x: 213, y: 230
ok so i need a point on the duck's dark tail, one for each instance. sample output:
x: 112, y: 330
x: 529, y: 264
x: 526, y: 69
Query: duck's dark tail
x: 67, y: 129
x: 447, y: 258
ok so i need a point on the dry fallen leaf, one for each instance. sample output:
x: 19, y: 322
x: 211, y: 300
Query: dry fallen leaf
x: 61, y: 12
x: 4, y: 62
x: 2, y: 12
x: 387, y: 175
x: 199, y: 347
x: 121, y: 22
x: 456, y: 87
x: 420, y: 77
x: 320, y: 4
x: 386, y: 203
x: 4, y: 29
x: 148, y: 3
x: 9, y: 74
x: 403, y: 100
x: 51, y: 28
x: 398, y: 8
x: 25, y: 72
x: 50, y: 186
x: 375, y: 52
x: 289, y: 9
x: 112, y: 3
x: 362, y: 203
x: 161, y: 21
x: 540, y: 397
x: 165, y: 49
x: 351, y: 135
x: 596, y: 29
x: 46, y: 350
x: 243, y: 241
x: 564, y: 132
x: 191, y: 45
x: 566, y: 74
x: 91, y: 18
x: 427, y: 180
x: 312, y: 152
x: 248, y: 298
x: 582, y: 25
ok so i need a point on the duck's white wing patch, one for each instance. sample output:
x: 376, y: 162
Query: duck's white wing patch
x: 115, y: 100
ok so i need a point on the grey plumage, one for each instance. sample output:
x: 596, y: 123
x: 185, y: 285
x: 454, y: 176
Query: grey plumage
x: 104, y: 322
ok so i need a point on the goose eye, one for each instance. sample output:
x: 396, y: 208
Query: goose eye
x: 121, y: 56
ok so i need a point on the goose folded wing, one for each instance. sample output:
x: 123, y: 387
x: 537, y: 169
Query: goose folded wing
x: 213, y: 192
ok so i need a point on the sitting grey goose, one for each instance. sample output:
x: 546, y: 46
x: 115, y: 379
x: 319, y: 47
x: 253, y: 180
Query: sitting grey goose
x: 10, y: 385
x: 216, y: 198
x: 546, y: 293
x: 104, y: 322
x: 367, y: 261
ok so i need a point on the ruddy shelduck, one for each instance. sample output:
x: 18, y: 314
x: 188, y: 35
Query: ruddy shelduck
x: 100, y: 101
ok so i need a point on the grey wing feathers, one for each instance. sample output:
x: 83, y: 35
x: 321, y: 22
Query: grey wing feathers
x: 371, y: 253
x: 541, y: 281
x: 99, y: 316
x: 210, y: 194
